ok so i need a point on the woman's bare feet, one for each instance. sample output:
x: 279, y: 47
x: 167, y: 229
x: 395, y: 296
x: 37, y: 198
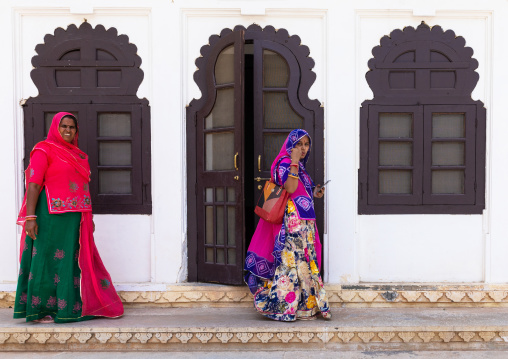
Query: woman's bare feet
x: 46, y: 319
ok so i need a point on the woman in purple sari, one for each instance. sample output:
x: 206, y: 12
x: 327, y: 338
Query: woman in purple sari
x: 283, y: 261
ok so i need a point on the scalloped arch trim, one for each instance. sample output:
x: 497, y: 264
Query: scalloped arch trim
x: 68, y: 61
x: 254, y: 31
x: 85, y: 31
x: 400, y: 45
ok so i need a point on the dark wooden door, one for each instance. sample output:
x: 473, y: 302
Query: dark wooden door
x: 255, y: 91
x: 277, y: 110
x: 220, y: 168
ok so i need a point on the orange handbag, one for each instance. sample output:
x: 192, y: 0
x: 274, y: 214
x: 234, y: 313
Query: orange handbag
x: 272, y: 203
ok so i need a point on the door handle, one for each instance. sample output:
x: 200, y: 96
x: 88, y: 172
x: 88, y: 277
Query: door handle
x: 235, y: 158
x: 259, y: 163
x: 259, y: 179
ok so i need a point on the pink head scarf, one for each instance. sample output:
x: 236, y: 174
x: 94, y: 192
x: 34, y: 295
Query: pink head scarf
x: 68, y: 151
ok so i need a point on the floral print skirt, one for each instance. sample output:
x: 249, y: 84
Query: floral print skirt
x: 49, y: 276
x: 296, y: 291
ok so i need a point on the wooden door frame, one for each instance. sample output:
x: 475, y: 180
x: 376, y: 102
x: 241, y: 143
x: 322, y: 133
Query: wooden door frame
x: 204, y: 79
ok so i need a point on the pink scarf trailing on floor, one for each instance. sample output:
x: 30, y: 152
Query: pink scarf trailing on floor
x: 98, y: 294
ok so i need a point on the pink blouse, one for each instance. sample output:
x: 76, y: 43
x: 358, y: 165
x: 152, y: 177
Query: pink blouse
x: 66, y: 189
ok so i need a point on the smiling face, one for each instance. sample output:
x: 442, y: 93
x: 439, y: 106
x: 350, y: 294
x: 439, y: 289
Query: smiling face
x: 67, y: 129
x: 304, y: 146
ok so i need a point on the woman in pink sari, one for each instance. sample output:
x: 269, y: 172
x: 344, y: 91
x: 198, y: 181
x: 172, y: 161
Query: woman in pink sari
x: 62, y: 277
x: 283, y: 261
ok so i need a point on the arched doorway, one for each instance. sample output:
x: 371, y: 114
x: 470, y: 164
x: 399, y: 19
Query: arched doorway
x: 254, y: 84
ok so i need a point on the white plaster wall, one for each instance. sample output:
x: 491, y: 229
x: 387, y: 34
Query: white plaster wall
x: 496, y: 270
x: 409, y: 248
x: 124, y: 244
x: 9, y: 250
x: 169, y: 263
x: 340, y: 34
x: 127, y: 243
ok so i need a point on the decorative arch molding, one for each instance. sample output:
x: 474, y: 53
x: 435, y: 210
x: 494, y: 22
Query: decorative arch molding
x: 405, y: 58
x: 254, y: 31
x: 104, y: 62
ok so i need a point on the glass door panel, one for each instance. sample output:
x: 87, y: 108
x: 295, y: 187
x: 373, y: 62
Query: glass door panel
x: 272, y: 143
x: 225, y: 66
x: 278, y: 113
x: 275, y: 70
x: 220, y: 151
x: 222, y: 114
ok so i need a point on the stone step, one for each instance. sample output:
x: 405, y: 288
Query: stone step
x: 355, y: 295
x: 242, y: 329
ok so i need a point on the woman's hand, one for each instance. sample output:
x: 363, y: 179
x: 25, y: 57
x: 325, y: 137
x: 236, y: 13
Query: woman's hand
x: 32, y: 195
x: 296, y: 154
x: 319, y: 191
x: 31, y: 229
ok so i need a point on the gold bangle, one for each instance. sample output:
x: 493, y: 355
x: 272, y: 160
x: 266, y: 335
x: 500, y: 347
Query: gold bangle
x: 292, y: 175
x: 30, y: 219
